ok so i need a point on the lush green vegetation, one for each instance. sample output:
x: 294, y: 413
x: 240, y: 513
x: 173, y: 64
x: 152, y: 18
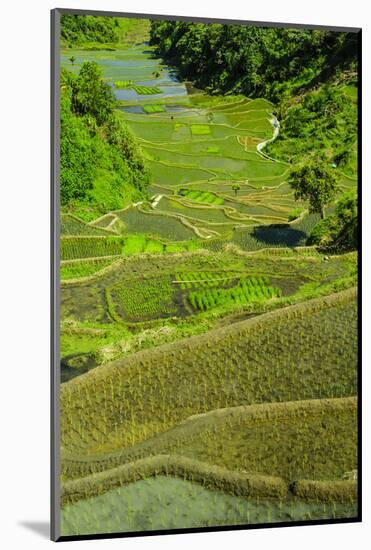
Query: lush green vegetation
x: 146, y: 90
x: 83, y: 268
x: 208, y: 313
x: 122, y: 84
x: 340, y: 230
x: 153, y: 108
x: 74, y: 248
x: 294, y: 275
x: 254, y: 61
x: 72, y: 225
x: 101, y: 164
x: 201, y: 196
x: 141, y: 301
x: 298, y: 69
x: 247, y: 290
x: 322, y: 121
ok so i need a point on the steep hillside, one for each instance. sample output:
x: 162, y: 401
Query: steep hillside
x: 102, y: 167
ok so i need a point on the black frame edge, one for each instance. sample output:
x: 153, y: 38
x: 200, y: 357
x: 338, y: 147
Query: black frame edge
x: 215, y: 529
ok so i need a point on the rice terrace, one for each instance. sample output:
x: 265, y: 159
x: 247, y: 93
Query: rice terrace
x: 208, y: 266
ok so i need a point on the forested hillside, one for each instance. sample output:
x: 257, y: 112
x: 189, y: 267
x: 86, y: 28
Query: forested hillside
x: 309, y: 75
x: 255, y: 61
x: 101, y: 166
x: 321, y: 122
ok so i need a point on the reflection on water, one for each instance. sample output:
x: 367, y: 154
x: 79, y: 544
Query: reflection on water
x: 135, y: 109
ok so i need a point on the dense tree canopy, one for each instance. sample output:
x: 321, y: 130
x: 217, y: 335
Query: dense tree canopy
x: 339, y: 230
x: 77, y: 28
x: 91, y: 95
x: 254, y: 61
x: 316, y: 183
x: 323, y: 120
x: 101, y: 163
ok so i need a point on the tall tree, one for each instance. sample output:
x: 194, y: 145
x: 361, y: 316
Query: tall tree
x: 316, y: 183
x: 91, y: 95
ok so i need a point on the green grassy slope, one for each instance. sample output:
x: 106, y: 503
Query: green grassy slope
x: 264, y: 359
x: 100, y: 32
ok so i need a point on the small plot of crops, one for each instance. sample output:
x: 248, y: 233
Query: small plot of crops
x: 140, y: 90
x: 122, y: 84
x: 200, y: 129
x: 201, y: 196
x: 200, y: 279
x: 164, y: 226
x: 137, y: 244
x: 84, y: 268
x: 153, y: 109
x: 89, y: 247
x: 71, y: 225
x: 206, y: 214
x: 248, y: 289
x: 104, y: 221
x: 226, y: 187
x: 152, y: 130
x: 229, y: 147
x: 144, y: 299
x: 275, y: 235
x: 259, y: 169
x: 146, y: 90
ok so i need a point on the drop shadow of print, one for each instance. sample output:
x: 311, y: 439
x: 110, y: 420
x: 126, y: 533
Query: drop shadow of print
x: 41, y: 528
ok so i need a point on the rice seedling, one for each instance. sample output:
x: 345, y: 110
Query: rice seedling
x: 200, y: 129
x: 83, y: 268
x: 153, y: 109
x: 121, y: 84
x: 273, y: 357
x: 140, y: 300
x: 247, y: 290
x: 89, y: 247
